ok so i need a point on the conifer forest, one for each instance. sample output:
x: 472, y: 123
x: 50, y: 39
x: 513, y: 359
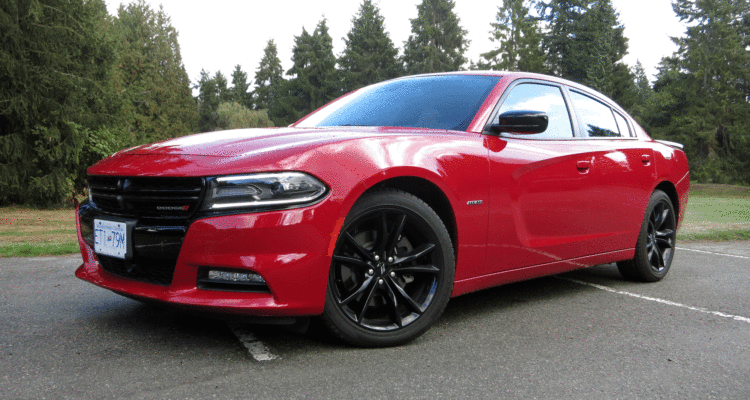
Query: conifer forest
x: 78, y: 84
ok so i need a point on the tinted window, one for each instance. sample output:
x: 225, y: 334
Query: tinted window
x: 622, y: 124
x: 437, y: 102
x: 596, y: 117
x: 537, y: 97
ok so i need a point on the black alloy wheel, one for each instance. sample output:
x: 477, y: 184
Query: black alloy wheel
x: 391, y: 273
x: 656, y: 242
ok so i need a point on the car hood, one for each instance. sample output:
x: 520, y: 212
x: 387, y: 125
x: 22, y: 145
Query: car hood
x: 242, y: 150
x: 248, y: 142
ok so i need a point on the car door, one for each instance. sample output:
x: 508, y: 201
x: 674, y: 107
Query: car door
x: 541, y: 186
x: 622, y: 171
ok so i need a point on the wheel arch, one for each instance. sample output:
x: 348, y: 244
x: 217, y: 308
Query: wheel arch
x: 671, y: 191
x: 428, y: 192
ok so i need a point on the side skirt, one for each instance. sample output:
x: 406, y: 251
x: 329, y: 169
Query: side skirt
x: 521, y: 274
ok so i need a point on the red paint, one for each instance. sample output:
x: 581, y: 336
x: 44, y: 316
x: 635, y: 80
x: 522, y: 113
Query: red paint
x: 547, y: 206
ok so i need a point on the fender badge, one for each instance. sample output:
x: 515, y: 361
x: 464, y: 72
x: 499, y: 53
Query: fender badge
x: 473, y: 202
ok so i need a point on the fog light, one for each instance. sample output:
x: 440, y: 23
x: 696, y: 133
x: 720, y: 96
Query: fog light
x: 219, y: 276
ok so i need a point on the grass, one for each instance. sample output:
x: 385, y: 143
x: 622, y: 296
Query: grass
x: 714, y: 236
x: 714, y: 212
x: 709, y: 189
x: 28, y: 232
x: 39, y: 249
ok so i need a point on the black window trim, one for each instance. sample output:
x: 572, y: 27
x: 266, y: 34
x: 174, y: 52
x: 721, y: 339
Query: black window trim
x: 631, y: 131
x: 612, y: 109
x: 568, y: 105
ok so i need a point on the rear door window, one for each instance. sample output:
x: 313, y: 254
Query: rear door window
x: 622, y: 123
x: 596, y: 118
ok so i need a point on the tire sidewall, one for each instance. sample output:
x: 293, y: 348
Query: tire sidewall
x: 641, y: 260
x: 352, y: 333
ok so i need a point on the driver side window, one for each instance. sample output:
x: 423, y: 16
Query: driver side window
x: 538, y: 97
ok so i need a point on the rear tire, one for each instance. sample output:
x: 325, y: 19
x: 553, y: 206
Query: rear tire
x: 392, y: 271
x: 655, y: 247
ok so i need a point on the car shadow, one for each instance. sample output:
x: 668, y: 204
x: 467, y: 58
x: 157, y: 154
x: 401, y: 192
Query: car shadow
x: 462, y: 309
x: 498, y: 298
x: 154, y: 326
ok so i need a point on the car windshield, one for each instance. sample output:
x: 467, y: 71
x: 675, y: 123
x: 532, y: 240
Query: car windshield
x: 436, y: 102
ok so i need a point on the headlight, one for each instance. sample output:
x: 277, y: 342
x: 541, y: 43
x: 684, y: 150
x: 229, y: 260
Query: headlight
x: 264, y: 190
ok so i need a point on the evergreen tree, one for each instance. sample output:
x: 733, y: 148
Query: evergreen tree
x: 585, y: 43
x: 701, y: 96
x: 285, y: 107
x: 152, y: 78
x: 322, y: 72
x: 576, y: 27
x: 562, y: 18
x: 643, y: 92
x: 519, y: 39
x: 369, y: 55
x: 744, y: 28
x: 222, y: 89
x: 606, y: 72
x: 599, y: 72
x: 314, y: 78
x: 268, y: 78
x: 56, y: 61
x: 294, y: 99
x: 643, y: 86
x: 437, y: 42
x: 208, y: 102
x: 240, y: 88
x: 212, y: 91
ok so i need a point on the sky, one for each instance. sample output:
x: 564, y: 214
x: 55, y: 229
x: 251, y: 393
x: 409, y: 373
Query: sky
x: 220, y: 34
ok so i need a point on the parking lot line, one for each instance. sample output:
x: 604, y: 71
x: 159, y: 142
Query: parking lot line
x: 662, y: 301
x: 254, y: 346
x: 713, y: 252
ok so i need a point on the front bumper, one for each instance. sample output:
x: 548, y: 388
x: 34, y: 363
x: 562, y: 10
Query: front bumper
x: 290, y: 249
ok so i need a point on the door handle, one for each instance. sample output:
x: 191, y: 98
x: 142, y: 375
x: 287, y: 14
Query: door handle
x: 646, y: 158
x: 583, y: 164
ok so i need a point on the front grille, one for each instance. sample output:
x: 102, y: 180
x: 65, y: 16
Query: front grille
x: 150, y: 270
x: 150, y: 197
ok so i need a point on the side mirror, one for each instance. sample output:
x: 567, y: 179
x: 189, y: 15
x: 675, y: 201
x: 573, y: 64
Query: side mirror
x: 523, y: 122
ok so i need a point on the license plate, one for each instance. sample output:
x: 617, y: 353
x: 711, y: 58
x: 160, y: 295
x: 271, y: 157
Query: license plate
x: 111, y: 238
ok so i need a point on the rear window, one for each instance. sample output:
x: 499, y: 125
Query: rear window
x: 436, y: 102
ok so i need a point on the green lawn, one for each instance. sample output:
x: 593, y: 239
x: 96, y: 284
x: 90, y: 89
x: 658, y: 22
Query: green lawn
x: 717, y: 212
x: 27, y: 232
x: 714, y: 212
x: 31, y: 249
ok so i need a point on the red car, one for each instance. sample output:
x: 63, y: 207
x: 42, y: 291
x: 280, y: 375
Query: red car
x: 373, y: 211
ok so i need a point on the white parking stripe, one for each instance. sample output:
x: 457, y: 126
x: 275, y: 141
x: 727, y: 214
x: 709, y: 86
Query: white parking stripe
x: 662, y: 301
x: 712, y: 252
x: 254, y: 346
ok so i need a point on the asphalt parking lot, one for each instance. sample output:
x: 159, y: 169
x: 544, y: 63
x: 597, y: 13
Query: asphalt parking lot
x: 585, y: 334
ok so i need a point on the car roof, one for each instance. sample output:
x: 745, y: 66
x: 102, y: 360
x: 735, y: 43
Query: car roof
x: 515, y: 75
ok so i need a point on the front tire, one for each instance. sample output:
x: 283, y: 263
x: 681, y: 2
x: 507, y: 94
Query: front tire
x: 655, y: 247
x: 392, y: 271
